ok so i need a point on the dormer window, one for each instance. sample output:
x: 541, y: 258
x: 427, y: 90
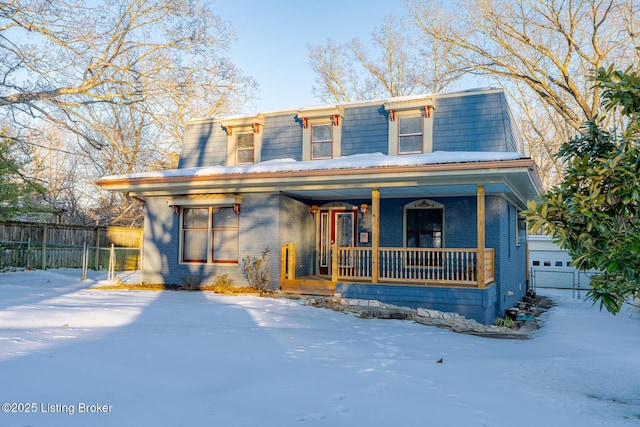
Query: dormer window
x: 244, y: 139
x: 321, y: 132
x: 410, y: 125
x: 245, y: 148
x: 321, y: 141
x: 410, y: 135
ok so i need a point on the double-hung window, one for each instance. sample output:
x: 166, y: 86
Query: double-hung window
x: 321, y: 141
x: 410, y: 134
x: 245, y: 148
x: 410, y: 126
x: 321, y: 132
x: 209, y: 235
x: 244, y: 139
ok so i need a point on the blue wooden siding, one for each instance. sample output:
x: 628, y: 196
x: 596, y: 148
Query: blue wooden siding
x: 259, y: 224
x: 510, y: 260
x: 364, y: 130
x: 282, y: 138
x: 514, y: 138
x: 160, y: 245
x: 204, y: 144
x: 480, y: 121
x: 477, y: 304
x: 297, y: 225
x: 476, y: 122
x: 473, y: 123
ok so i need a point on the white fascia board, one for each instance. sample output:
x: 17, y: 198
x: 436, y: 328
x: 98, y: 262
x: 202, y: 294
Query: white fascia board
x: 413, y: 177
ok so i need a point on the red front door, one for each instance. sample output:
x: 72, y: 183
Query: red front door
x: 336, y: 226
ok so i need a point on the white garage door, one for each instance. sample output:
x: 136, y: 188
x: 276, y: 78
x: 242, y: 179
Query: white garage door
x: 550, y: 266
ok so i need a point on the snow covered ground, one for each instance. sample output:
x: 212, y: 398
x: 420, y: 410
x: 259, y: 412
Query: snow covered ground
x: 78, y: 357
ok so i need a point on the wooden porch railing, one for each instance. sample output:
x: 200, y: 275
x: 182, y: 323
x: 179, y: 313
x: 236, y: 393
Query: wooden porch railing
x: 288, y: 262
x: 489, y: 263
x: 447, y: 266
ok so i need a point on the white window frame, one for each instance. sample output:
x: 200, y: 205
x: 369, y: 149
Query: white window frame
x: 325, y: 115
x: 401, y: 108
x: 400, y: 135
x: 322, y: 141
x: 242, y: 125
x: 238, y: 148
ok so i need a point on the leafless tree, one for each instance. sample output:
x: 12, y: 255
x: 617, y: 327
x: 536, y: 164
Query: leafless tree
x: 544, y: 50
x: 336, y: 77
x: 123, y: 76
x: 61, y: 172
x: 394, y: 66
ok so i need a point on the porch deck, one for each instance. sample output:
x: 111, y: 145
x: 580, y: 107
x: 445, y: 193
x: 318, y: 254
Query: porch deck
x: 308, y: 285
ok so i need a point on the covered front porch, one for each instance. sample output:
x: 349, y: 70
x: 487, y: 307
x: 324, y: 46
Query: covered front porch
x: 395, y: 266
x: 409, y: 266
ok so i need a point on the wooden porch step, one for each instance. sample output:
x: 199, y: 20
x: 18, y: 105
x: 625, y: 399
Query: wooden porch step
x: 308, y: 287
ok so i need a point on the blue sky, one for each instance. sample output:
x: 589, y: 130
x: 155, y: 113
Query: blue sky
x: 272, y: 38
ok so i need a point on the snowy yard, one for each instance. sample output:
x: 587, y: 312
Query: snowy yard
x: 78, y: 357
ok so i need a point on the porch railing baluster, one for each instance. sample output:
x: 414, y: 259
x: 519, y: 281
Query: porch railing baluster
x: 444, y: 266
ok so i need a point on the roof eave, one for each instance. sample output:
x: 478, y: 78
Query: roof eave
x: 387, y: 176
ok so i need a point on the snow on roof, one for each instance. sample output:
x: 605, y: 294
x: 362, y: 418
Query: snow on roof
x: 358, y: 161
x: 318, y: 107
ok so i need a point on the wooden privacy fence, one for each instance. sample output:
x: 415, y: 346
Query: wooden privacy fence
x: 39, y: 256
x: 45, y: 246
x: 70, y: 234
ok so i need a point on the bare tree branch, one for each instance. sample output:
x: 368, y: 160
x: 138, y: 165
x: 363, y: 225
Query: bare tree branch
x: 117, y: 80
x: 394, y: 65
x: 549, y: 47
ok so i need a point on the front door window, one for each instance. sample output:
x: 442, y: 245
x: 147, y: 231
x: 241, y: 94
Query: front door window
x: 344, y: 229
x: 336, y: 226
x: 325, y: 241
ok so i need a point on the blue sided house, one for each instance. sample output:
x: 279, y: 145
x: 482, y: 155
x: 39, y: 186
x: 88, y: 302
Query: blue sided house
x: 414, y: 201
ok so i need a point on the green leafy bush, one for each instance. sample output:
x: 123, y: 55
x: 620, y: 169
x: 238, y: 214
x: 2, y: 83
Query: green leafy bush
x: 593, y: 212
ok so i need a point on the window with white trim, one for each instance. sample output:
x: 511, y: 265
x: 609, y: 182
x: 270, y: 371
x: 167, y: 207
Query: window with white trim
x: 245, y: 148
x: 209, y: 235
x: 321, y: 141
x: 321, y: 132
x: 244, y: 139
x: 410, y: 134
x: 410, y: 125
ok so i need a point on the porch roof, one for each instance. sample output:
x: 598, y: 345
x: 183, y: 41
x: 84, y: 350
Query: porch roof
x: 352, y: 177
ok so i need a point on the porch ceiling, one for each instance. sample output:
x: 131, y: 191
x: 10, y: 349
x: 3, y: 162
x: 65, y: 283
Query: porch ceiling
x: 395, y: 192
x: 419, y: 191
